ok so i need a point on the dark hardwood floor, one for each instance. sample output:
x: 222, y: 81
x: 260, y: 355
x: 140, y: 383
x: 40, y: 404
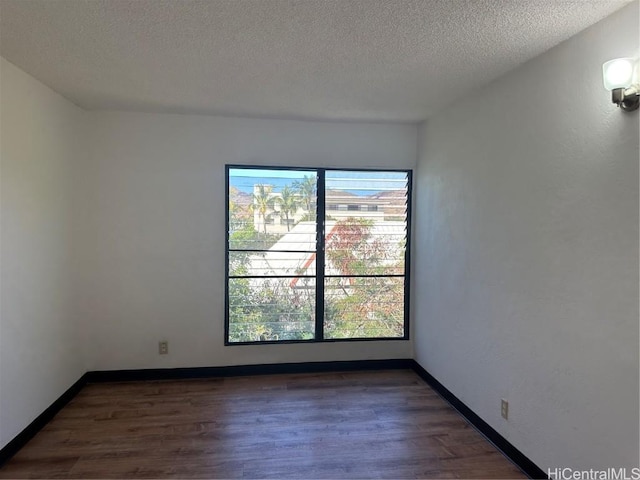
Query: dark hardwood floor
x: 382, y: 424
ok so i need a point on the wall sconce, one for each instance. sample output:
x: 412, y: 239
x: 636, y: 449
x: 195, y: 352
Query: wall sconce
x: 621, y: 77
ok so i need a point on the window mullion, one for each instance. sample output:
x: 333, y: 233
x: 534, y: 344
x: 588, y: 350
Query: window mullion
x: 320, y: 239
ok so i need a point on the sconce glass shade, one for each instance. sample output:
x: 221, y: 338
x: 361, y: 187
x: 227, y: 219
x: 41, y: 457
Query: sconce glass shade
x: 619, y: 73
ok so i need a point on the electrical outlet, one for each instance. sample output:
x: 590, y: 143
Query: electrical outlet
x: 504, y: 409
x: 163, y: 347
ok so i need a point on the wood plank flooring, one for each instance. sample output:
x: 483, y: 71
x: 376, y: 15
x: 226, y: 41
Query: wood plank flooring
x: 367, y: 424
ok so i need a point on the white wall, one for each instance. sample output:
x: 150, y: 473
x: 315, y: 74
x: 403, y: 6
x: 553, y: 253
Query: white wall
x: 40, y: 140
x: 153, y: 230
x: 526, y: 254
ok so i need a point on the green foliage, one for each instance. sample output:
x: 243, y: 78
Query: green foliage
x: 265, y: 309
x: 362, y: 307
x: 307, y: 188
x: 263, y: 202
x: 247, y: 237
x: 289, y: 203
x: 365, y: 307
x: 269, y: 309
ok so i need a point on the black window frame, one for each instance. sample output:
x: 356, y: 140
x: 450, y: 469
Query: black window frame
x: 321, y: 211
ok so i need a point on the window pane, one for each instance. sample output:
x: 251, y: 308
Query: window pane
x: 271, y: 263
x: 271, y: 309
x: 272, y: 209
x: 369, y: 236
x: 358, y: 307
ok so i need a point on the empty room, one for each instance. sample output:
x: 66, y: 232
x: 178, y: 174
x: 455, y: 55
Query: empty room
x: 319, y: 239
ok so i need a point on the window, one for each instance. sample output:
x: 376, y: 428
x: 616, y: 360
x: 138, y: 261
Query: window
x: 314, y: 276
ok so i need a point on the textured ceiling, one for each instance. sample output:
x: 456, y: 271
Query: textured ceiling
x: 373, y: 60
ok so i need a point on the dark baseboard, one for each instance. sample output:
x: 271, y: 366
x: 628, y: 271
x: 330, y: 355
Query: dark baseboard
x: 11, y: 448
x: 243, y: 370
x: 501, y: 443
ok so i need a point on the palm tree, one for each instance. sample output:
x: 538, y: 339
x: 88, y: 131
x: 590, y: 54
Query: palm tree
x: 262, y: 203
x: 307, y: 189
x: 288, y: 202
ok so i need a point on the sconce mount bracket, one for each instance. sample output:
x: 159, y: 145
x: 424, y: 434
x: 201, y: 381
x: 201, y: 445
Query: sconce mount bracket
x: 628, y: 99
